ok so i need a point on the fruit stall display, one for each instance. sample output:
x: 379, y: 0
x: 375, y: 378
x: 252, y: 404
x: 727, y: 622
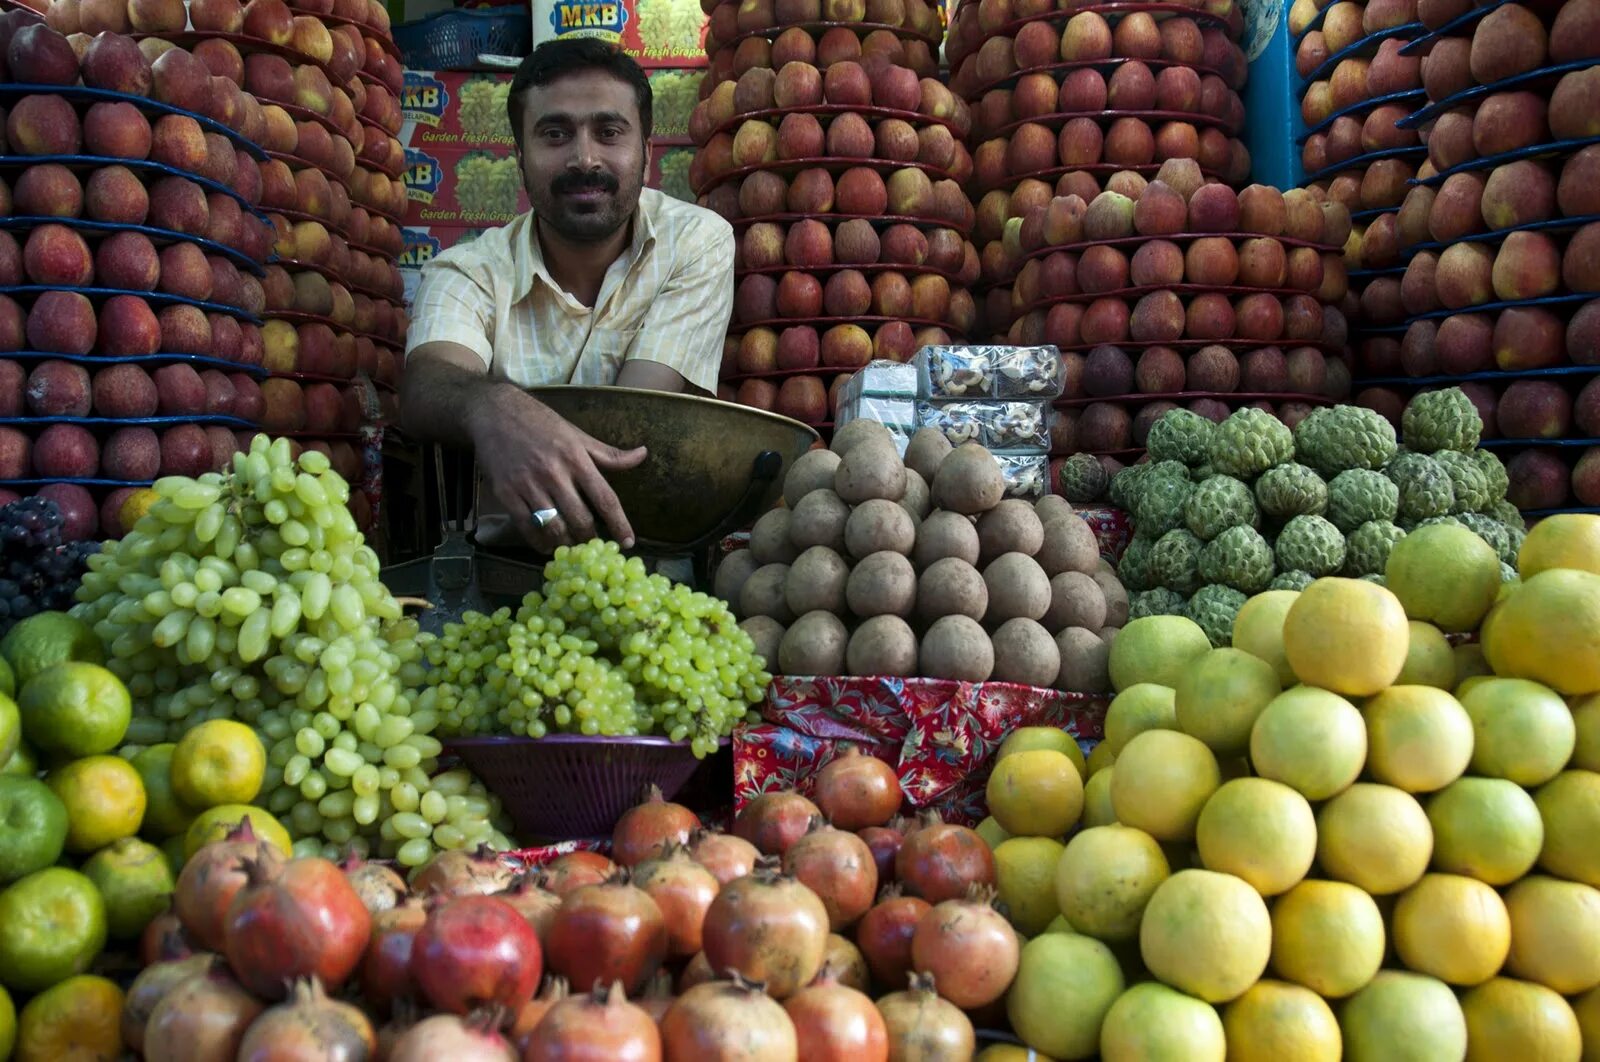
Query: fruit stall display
x: 1498, y: 241
x: 828, y: 142
x: 130, y: 256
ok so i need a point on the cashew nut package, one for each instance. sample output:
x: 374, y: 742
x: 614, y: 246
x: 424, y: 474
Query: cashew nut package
x: 984, y: 371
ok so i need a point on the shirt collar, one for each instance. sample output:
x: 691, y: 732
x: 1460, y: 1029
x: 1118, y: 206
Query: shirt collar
x: 529, y: 263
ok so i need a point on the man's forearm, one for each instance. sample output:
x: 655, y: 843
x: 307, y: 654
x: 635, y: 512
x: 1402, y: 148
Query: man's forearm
x: 440, y: 402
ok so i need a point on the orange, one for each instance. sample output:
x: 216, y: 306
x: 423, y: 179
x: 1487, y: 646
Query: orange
x: 218, y: 762
x: 104, y: 798
x: 78, y: 1020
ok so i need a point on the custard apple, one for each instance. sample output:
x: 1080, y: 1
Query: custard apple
x: 1467, y: 481
x: 1125, y: 484
x: 1492, y: 531
x: 1507, y: 514
x: 1367, y: 548
x: 1213, y: 608
x: 1291, y: 490
x: 1217, y: 504
x: 1514, y: 536
x: 1134, y: 567
x: 1310, y: 544
x: 1179, y: 435
x: 1425, y: 487
x: 1375, y: 577
x: 1290, y: 581
x: 1175, y: 561
x: 1357, y: 495
x: 1508, y: 574
x: 1083, y: 478
x: 1158, y: 501
x: 1494, y: 473
x: 1249, y: 442
x: 1157, y: 602
x: 1201, y: 473
x: 1344, y: 437
x: 1441, y: 420
x: 1239, y: 557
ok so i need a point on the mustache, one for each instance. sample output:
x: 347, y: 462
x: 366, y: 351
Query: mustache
x: 583, y: 182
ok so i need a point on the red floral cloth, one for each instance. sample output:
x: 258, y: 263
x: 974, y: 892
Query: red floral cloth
x: 938, y: 734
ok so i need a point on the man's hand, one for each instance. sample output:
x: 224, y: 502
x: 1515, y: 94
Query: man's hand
x: 533, y: 460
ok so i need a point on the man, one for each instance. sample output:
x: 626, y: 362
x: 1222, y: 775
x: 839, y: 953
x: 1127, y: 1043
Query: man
x: 602, y: 282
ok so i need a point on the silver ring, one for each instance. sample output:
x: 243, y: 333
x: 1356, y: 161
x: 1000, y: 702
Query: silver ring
x: 545, y: 517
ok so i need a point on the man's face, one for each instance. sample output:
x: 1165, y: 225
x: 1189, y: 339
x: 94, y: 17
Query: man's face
x: 583, y: 155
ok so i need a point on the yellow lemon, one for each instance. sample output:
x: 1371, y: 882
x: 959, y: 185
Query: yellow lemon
x: 1409, y: 1009
x: 1035, y: 794
x: 1163, y: 779
x: 1555, y: 933
x: 1155, y: 649
x: 1275, y: 1022
x: 1346, y: 635
x: 1569, y: 805
x: 1485, y: 828
x: 1097, y: 809
x: 104, y: 799
x: 1220, y: 695
x: 1446, y: 574
x: 1101, y: 757
x: 1258, y: 830
x: 79, y: 1018
x: 1509, y: 1019
x: 1429, y: 660
x: 1063, y: 988
x: 1311, y: 740
x: 1586, y: 723
x: 218, y: 762
x: 1258, y: 630
x: 1327, y: 936
x: 1374, y: 836
x: 1207, y: 934
x: 1522, y: 731
x: 1142, y: 706
x: 213, y: 824
x: 1566, y: 540
x: 1418, y: 738
x: 164, y: 814
x: 1028, y: 738
x: 1153, y: 1023
x: 1105, y: 877
x: 1452, y: 927
x: 1587, y: 1008
x: 1025, y: 876
x: 1548, y: 630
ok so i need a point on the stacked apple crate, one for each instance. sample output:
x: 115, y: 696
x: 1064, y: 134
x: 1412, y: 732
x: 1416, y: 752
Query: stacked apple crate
x: 130, y: 252
x: 1501, y: 242
x: 1105, y: 163
x: 827, y: 140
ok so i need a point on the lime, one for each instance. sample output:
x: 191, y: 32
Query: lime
x: 52, y: 925
x: 1446, y: 574
x: 35, y: 827
x: 104, y: 799
x: 213, y: 824
x: 24, y: 763
x: 8, y: 1023
x: 49, y: 638
x: 8, y: 687
x: 136, y: 882
x: 164, y: 814
x: 1155, y: 649
x: 218, y: 762
x: 1151, y: 1021
x: 1398, y: 1009
x: 1028, y: 738
x: 75, y: 709
x: 10, y: 728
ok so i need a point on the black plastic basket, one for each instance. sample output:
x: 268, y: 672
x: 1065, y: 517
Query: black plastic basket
x: 453, y: 40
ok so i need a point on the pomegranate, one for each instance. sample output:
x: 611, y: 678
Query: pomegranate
x: 884, y: 843
x: 457, y: 873
x: 697, y: 972
x: 649, y: 826
x: 150, y: 987
x: 533, y: 902
x: 838, y: 867
x: 204, y: 1017
x: 726, y: 856
x: 940, y: 860
x: 575, y: 870
x: 379, y: 885
x: 856, y: 790
x: 924, y: 1025
x: 386, y: 966
x: 844, y: 963
x: 531, y: 1013
x: 774, y: 821
x: 884, y: 935
x: 608, y: 932
x: 833, y: 1023
x: 213, y: 876
x: 601, y: 1026
x: 163, y: 939
x: 767, y: 927
x: 658, y: 996
x: 724, y: 1021
x: 309, y: 1026
x: 305, y: 921
x: 683, y: 889
x: 450, y: 1036
x: 969, y: 948
x: 476, y: 951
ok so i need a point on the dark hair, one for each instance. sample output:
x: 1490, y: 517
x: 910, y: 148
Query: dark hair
x: 556, y: 59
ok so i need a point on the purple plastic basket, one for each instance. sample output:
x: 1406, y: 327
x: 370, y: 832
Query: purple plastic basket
x: 568, y: 786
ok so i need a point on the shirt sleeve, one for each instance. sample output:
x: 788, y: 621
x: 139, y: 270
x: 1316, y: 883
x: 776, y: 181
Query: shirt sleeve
x: 453, y: 305
x: 688, y: 318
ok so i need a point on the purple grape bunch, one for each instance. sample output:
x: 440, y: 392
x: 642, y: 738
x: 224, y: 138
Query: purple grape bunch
x: 38, y: 572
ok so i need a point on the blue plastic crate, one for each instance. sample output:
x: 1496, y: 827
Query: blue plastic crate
x: 453, y: 40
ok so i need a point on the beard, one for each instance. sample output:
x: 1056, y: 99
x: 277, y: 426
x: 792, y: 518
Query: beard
x: 586, y: 220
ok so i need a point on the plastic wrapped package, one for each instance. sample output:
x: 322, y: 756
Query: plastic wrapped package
x: 1026, y: 475
x: 999, y: 424
x: 989, y: 371
x: 899, y: 415
x: 881, y: 379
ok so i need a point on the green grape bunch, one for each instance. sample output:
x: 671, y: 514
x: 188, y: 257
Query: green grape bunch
x: 488, y: 184
x: 482, y: 112
x: 250, y: 594
x: 670, y: 28
x: 604, y: 648
x: 675, y: 174
x: 674, y: 94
